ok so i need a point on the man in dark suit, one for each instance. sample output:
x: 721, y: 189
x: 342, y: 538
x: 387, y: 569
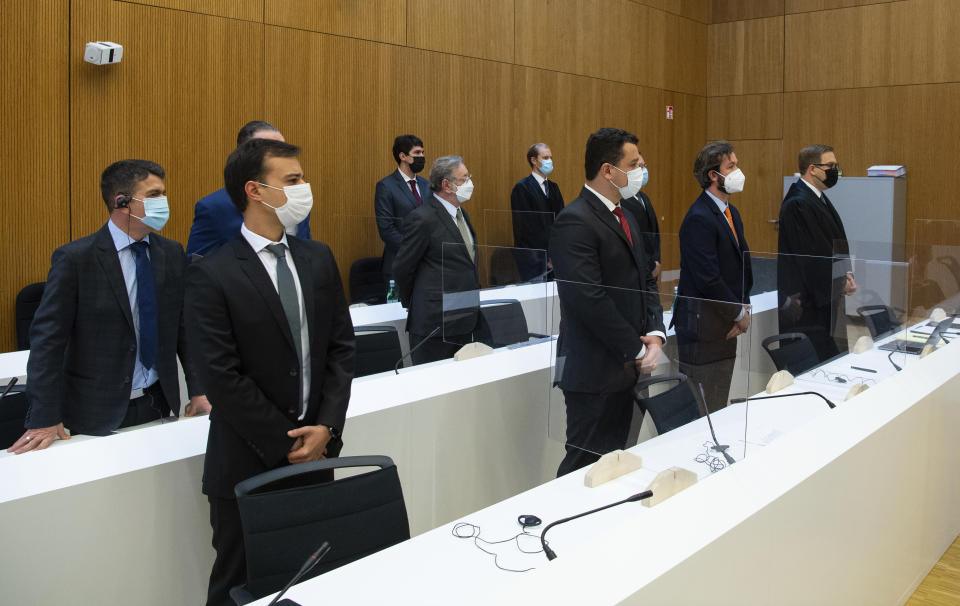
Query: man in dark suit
x: 813, y: 269
x: 436, y: 269
x: 215, y: 218
x: 397, y: 195
x: 276, y: 344
x: 105, y: 337
x: 646, y: 216
x: 611, y: 321
x: 535, y: 202
x: 712, y: 308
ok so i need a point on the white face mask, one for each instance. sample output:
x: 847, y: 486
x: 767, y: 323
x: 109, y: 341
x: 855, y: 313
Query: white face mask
x: 298, y: 206
x: 465, y: 191
x: 634, y: 182
x: 733, y: 182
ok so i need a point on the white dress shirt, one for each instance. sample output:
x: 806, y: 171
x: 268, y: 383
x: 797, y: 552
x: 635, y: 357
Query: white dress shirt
x: 541, y: 181
x: 269, y: 260
x: 142, y: 378
x: 815, y: 190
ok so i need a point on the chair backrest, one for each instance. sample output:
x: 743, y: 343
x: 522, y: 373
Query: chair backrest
x: 287, y: 513
x: 505, y: 319
x: 13, y: 414
x: 791, y: 351
x: 670, y: 409
x: 28, y: 300
x: 366, y: 281
x: 378, y: 349
x: 503, y: 267
x: 880, y: 319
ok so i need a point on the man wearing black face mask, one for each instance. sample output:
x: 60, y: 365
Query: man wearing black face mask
x: 813, y: 270
x: 398, y: 194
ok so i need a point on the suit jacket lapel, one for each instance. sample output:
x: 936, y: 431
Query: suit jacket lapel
x: 606, y: 217
x: 533, y: 187
x: 402, y: 184
x: 158, y: 264
x: 305, y: 273
x: 109, y: 261
x: 721, y: 218
x: 250, y: 264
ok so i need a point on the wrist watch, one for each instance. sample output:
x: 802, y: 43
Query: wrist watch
x: 334, y: 432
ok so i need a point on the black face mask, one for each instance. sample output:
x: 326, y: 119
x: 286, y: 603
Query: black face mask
x: 418, y: 163
x: 833, y: 174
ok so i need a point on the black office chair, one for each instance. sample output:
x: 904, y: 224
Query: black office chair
x: 13, y: 414
x: 881, y: 320
x: 793, y: 351
x: 28, y: 300
x: 670, y: 409
x: 378, y: 349
x: 287, y: 513
x: 503, y: 267
x: 507, y: 322
x: 366, y: 281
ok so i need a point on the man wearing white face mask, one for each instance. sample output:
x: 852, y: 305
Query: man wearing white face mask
x: 611, y: 327
x: 275, y: 342
x: 105, y: 338
x: 436, y: 267
x: 642, y: 208
x: 715, y: 277
x: 535, y: 202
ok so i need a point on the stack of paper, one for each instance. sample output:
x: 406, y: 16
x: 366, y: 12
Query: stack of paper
x: 887, y: 170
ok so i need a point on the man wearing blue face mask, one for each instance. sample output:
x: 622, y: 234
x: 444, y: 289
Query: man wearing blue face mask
x: 640, y: 206
x: 535, y: 202
x: 105, y: 338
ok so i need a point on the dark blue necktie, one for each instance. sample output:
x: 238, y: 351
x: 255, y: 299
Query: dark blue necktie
x: 147, y: 306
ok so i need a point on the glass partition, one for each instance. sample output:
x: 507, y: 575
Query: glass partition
x: 934, y: 260
x: 526, y: 234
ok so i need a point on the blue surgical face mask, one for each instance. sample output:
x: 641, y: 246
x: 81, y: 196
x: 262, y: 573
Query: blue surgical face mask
x: 156, y: 212
x: 646, y: 177
x: 546, y: 167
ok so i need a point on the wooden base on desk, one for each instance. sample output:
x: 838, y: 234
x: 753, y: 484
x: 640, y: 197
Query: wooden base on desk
x: 668, y: 483
x: 610, y: 467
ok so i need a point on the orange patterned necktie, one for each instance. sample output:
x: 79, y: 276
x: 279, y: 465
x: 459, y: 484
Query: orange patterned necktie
x: 726, y: 213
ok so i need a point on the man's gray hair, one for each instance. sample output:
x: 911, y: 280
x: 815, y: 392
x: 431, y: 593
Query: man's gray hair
x: 443, y: 168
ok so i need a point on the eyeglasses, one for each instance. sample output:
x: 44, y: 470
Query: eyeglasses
x: 830, y: 165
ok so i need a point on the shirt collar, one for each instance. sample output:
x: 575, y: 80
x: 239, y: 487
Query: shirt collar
x: 606, y: 202
x: 450, y: 208
x: 720, y: 203
x: 258, y: 242
x: 815, y: 190
x: 405, y: 178
x: 539, y: 178
x: 121, y: 239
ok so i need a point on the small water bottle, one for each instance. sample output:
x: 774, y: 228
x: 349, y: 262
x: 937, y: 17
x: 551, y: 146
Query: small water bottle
x: 392, y: 292
x: 674, y: 304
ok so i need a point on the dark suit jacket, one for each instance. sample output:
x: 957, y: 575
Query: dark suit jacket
x: 392, y: 202
x: 250, y: 365
x: 608, y: 298
x: 216, y: 221
x: 646, y: 217
x: 83, y: 344
x: 431, y: 265
x: 533, y: 215
x: 714, y: 267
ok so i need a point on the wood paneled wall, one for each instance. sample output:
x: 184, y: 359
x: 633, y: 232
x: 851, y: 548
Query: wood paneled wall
x: 878, y: 80
x: 341, y: 79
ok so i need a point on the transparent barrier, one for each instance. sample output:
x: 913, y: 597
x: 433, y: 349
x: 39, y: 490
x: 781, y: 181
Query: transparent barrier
x: 934, y: 258
x: 526, y: 234
x: 600, y: 389
x: 359, y: 248
x: 835, y: 323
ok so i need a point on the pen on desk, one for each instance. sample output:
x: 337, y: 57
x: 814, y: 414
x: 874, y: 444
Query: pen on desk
x: 863, y: 369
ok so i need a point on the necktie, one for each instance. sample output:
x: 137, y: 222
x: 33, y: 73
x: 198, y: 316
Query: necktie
x: 146, y: 306
x: 288, y: 295
x: 465, y: 234
x: 416, y: 192
x: 546, y: 188
x: 623, y: 223
x: 726, y: 213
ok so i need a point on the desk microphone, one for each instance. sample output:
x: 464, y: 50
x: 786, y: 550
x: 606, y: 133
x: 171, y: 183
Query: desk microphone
x: 646, y: 494
x: 717, y: 446
x: 396, y: 367
x: 784, y: 395
x: 312, y: 561
x: 9, y: 386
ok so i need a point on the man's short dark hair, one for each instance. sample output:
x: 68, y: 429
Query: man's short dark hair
x: 709, y: 159
x: 403, y: 144
x: 605, y: 146
x: 122, y: 178
x: 534, y: 152
x: 246, y: 163
x: 811, y: 155
x: 252, y: 128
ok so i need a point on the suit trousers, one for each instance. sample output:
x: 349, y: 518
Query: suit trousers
x: 597, y: 423
x: 230, y: 566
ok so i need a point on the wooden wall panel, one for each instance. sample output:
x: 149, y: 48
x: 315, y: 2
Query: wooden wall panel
x: 149, y: 107
x: 248, y: 10
x: 34, y: 200
x: 909, y: 42
x: 745, y: 57
x: 745, y: 117
x: 807, y: 6
x: 738, y: 10
x: 462, y: 27
x: 382, y: 20
x: 673, y: 53
x: 762, y: 194
x: 697, y: 10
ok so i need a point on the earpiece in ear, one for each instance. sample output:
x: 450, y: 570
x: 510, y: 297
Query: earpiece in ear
x: 121, y: 201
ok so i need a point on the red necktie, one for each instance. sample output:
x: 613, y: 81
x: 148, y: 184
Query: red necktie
x: 623, y: 223
x: 416, y: 192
